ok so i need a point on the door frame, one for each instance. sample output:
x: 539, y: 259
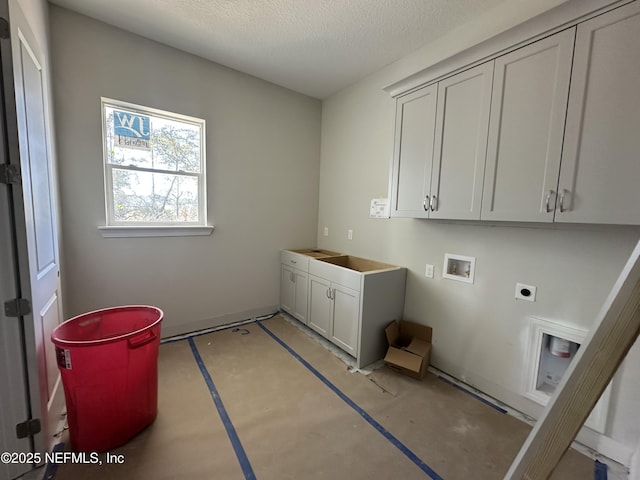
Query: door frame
x: 14, y: 23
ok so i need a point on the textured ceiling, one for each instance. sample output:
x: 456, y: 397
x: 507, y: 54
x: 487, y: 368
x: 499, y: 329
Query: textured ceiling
x: 315, y: 47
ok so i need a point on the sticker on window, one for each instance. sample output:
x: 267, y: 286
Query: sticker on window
x: 131, y: 130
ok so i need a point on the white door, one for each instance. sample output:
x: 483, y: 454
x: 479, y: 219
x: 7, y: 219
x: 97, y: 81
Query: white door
x: 346, y: 309
x: 413, y: 153
x: 526, y: 127
x: 300, y: 295
x: 287, y: 289
x: 600, y: 167
x: 40, y: 224
x: 320, y: 305
x: 461, y: 144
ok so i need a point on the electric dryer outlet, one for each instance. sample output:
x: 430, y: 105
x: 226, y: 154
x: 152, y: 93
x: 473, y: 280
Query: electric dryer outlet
x: 525, y: 292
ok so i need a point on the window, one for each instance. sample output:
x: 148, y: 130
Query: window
x: 154, y: 165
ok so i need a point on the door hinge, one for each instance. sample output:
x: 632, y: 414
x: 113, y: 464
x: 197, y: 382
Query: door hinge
x: 28, y: 428
x: 10, y: 174
x: 18, y: 307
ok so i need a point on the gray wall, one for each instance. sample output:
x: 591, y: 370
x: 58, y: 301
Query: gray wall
x: 480, y: 330
x: 263, y: 147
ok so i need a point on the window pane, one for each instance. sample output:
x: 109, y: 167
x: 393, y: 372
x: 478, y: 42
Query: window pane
x: 154, y: 197
x: 148, y: 141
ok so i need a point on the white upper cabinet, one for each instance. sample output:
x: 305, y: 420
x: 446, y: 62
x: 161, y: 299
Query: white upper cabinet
x: 600, y: 175
x: 460, y: 147
x: 413, y: 153
x: 528, y: 107
x: 548, y: 132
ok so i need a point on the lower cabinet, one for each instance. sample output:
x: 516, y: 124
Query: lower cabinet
x: 334, y: 312
x: 351, y: 300
x: 348, y: 300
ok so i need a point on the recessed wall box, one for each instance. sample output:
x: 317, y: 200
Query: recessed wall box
x: 459, y: 267
x: 552, y: 347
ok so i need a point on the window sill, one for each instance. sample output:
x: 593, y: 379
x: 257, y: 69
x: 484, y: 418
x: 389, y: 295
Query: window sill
x: 155, y: 231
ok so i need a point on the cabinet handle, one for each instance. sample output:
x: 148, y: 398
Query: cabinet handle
x: 333, y: 294
x: 291, y: 276
x: 548, y: 198
x: 562, y: 195
x: 293, y: 261
x: 434, y: 203
x: 424, y: 203
x: 328, y: 293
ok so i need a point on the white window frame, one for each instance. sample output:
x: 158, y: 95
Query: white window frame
x: 115, y: 228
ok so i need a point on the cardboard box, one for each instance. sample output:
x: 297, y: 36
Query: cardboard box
x: 409, y: 348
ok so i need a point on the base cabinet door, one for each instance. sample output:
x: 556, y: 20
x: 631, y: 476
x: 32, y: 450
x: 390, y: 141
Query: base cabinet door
x: 600, y: 174
x: 287, y: 289
x: 300, y: 295
x: 346, y: 313
x: 334, y: 312
x: 320, y: 305
x: 293, y: 292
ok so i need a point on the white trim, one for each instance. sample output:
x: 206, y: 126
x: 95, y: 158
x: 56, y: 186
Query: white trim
x: 109, y: 167
x: 154, y: 231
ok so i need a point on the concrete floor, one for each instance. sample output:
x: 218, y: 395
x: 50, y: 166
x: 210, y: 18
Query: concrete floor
x: 266, y: 401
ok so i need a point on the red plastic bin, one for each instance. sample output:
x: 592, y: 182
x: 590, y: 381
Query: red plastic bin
x: 108, y: 360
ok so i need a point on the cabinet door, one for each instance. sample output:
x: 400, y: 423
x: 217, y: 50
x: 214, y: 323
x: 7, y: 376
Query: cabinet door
x: 346, y: 313
x: 287, y: 289
x: 528, y: 109
x: 461, y: 144
x: 320, y: 305
x: 413, y: 153
x: 600, y: 175
x: 300, y: 295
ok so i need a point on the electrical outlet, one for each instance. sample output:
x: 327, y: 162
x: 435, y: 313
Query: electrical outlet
x: 525, y: 292
x: 325, y: 232
x: 428, y: 271
x: 349, y: 234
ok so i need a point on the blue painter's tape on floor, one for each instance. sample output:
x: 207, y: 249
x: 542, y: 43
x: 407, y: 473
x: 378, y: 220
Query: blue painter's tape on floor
x: 477, y: 397
x: 224, y: 416
x: 52, y: 468
x: 397, y: 443
x: 600, y: 471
